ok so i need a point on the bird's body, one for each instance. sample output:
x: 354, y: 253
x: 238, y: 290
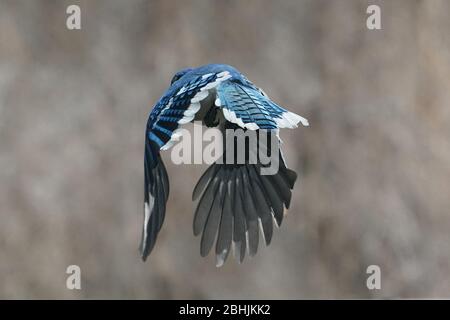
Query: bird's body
x: 235, y: 198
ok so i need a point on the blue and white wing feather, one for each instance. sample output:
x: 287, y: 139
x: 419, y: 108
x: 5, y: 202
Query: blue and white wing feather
x: 248, y: 107
x: 179, y: 106
x: 233, y: 199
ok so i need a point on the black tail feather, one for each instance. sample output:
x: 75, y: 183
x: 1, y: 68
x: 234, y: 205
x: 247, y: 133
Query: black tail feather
x: 214, y: 216
x: 224, y: 237
x: 250, y: 213
x: 235, y: 200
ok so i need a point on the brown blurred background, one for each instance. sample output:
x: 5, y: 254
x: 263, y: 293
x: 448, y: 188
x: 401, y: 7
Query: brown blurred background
x: 374, y: 165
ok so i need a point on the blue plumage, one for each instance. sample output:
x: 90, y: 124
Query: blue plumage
x: 171, y: 107
x: 249, y: 104
x: 235, y: 199
x: 243, y: 102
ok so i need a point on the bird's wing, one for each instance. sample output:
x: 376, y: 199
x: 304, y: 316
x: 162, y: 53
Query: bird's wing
x: 248, y: 107
x: 237, y: 202
x: 156, y: 192
x: 177, y: 106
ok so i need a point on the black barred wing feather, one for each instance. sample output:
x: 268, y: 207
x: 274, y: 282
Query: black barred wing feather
x: 178, y: 106
x: 237, y: 203
x: 248, y: 107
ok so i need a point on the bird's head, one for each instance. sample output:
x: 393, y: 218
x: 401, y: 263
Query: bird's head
x: 179, y: 74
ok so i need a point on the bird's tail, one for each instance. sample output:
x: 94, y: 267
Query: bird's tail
x: 236, y: 201
x: 156, y: 194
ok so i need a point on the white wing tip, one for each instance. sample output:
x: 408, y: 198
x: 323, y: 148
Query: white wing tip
x: 291, y: 120
x: 296, y: 118
x: 176, y: 135
x: 251, y: 126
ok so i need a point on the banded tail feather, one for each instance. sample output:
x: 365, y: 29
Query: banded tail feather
x: 237, y: 203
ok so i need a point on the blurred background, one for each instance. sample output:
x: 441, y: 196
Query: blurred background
x: 374, y: 165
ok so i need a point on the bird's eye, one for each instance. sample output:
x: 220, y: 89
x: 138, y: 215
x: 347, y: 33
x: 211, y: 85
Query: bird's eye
x: 175, y: 78
x: 180, y: 74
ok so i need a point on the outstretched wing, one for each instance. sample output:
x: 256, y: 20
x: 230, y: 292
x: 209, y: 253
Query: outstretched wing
x: 237, y: 202
x: 156, y: 192
x: 177, y: 106
x: 248, y: 107
x: 180, y: 104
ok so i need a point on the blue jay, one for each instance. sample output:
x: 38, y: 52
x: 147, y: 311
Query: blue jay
x: 236, y: 201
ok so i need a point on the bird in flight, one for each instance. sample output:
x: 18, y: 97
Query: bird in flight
x: 236, y: 201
